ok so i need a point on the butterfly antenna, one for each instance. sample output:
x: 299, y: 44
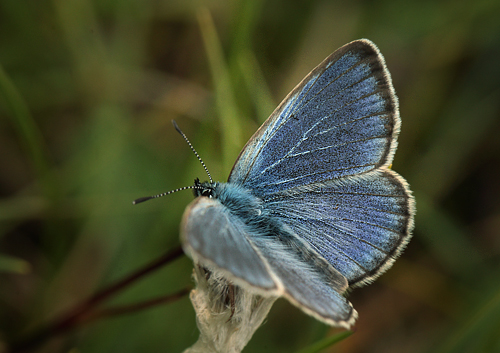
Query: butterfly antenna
x: 142, y: 199
x: 192, y: 149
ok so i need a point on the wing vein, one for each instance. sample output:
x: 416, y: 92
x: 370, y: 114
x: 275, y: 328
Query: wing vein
x: 300, y: 105
x: 310, y: 174
x: 314, y: 125
x: 370, y: 73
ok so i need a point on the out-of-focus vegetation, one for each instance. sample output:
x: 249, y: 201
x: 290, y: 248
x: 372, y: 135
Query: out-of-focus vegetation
x: 87, y: 93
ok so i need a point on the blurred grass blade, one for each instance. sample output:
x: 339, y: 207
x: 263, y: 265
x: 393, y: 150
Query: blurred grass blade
x: 479, y: 333
x: 256, y: 85
x: 246, y: 21
x: 252, y: 92
x: 326, y: 342
x: 27, y: 129
x: 452, y: 141
x: 447, y: 239
x: 14, y: 265
x: 229, y: 115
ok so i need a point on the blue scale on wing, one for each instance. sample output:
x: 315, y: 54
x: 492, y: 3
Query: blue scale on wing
x: 346, y: 88
x: 337, y: 121
x: 358, y: 225
x: 333, y: 78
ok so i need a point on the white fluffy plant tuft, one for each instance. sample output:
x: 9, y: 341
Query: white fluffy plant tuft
x: 227, y: 315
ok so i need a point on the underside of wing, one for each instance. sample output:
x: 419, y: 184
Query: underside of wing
x: 308, y: 281
x: 359, y: 224
x: 215, y: 238
x: 341, y: 120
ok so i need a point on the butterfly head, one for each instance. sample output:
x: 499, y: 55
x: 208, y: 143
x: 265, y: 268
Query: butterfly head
x: 206, y: 189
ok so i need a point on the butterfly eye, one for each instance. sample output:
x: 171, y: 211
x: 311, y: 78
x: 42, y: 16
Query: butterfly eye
x: 207, y: 193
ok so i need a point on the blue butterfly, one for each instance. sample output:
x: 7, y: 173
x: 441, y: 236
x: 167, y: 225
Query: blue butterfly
x: 311, y: 207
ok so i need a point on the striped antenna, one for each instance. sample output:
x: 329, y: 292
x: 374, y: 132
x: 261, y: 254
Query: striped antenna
x: 142, y: 199
x: 192, y: 149
x: 196, y: 186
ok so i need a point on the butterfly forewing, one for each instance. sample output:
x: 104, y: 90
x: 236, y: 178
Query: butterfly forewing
x: 341, y: 120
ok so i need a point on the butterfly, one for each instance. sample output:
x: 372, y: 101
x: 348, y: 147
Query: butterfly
x: 311, y: 208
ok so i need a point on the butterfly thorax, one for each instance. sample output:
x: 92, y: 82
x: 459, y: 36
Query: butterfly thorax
x: 238, y: 200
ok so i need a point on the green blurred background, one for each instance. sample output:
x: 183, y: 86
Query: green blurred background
x: 88, y: 90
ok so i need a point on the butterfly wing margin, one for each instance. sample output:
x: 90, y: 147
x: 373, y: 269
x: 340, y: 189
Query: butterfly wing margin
x: 345, y: 105
x: 215, y: 238
x: 359, y: 225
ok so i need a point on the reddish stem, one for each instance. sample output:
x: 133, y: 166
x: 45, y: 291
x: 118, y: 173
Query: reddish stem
x: 85, y: 311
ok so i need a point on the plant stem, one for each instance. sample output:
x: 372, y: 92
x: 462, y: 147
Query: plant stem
x: 85, y: 311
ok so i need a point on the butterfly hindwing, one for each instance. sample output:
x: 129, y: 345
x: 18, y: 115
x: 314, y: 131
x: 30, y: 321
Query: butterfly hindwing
x: 359, y: 225
x: 308, y: 282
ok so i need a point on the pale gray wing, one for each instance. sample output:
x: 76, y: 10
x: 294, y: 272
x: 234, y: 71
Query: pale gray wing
x: 214, y: 237
x: 309, y: 281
